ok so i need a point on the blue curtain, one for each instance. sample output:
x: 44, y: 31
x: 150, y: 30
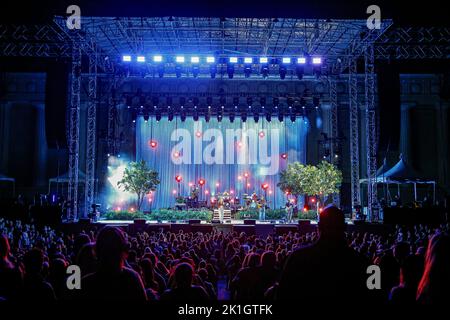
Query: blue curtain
x: 220, y: 153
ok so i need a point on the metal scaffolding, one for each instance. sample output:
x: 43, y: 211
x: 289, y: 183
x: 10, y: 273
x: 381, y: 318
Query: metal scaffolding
x: 74, y: 132
x: 371, y: 134
x: 354, y: 132
x: 334, y: 128
x: 91, y: 134
x: 103, y: 40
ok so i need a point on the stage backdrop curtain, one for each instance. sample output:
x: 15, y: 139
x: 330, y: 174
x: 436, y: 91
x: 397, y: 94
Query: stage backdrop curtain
x: 277, y: 138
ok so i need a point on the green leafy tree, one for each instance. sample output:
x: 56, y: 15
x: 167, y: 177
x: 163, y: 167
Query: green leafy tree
x: 319, y: 181
x: 139, y: 179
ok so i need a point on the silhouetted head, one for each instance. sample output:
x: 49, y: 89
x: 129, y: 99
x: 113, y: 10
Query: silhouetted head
x: 111, y: 247
x: 33, y: 261
x: 332, y: 223
x: 268, y: 259
x: 183, y: 275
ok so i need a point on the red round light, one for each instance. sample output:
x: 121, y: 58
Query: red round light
x: 153, y: 144
x: 178, y: 178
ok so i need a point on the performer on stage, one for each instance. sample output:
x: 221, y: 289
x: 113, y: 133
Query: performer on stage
x: 262, y: 208
x: 289, y: 209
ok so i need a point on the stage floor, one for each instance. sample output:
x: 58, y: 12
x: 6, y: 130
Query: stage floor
x: 232, y: 222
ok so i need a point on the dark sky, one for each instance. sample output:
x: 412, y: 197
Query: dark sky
x: 430, y: 12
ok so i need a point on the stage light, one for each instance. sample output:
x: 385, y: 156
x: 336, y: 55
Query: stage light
x: 126, y: 58
x: 170, y: 116
x: 160, y: 70
x: 300, y: 71
x: 191, y: 184
x: 195, y: 116
x: 317, y: 60
x: 195, y: 71
x: 206, y: 192
x: 219, y: 117
x: 301, y: 60
x: 268, y: 117
x: 249, y: 101
x: 239, y: 177
x: 286, y: 60
x: 316, y: 102
x: 292, y: 117
x: 265, y: 71
x: 179, y: 59
x: 284, y: 156
x: 213, y: 71
x: 248, y: 185
x: 230, y: 70
x: 140, y: 59
x: 239, y: 144
x: 247, y: 71
x: 233, y: 60
x: 178, y: 178
x: 248, y: 60
x: 210, y: 59
x: 231, y: 117
x: 153, y: 144
x: 246, y: 175
x: 265, y: 186
x: 178, y: 71
x: 201, y: 181
x: 262, y: 101
x: 280, y: 117
x: 270, y: 191
x: 244, y: 117
x: 263, y: 60
x: 195, y: 59
x: 256, y: 117
x: 174, y: 191
x: 157, y: 58
x: 176, y: 154
x: 158, y: 117
x: 217, y: 184
x: 261, y: 134
x: 283, y: 72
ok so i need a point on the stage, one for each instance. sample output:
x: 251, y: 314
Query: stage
x: 250, y: 227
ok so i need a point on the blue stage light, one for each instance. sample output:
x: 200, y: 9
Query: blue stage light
x: 126, y: 58
x: 195, y: 59
x: 210, y: 59
x: 286, y: 60
x: 301, y: 60
x: 317, y: 60
x: 179, y: 59
x: 140, y: 59
x: 233, y: 60
x: 248, y: 60
x: 263, y: 60
x: 157, y: 58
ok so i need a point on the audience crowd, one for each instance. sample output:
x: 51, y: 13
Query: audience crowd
x: 167, y: 266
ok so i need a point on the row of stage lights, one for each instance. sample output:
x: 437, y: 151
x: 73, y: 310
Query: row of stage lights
x: 256, y: 113
x: 212, y: 59
x: 299, y: 62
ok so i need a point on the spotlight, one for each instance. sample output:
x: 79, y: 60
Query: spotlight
x: 286, y: 60
x: 170, y: 116
x: 268, y: 117
x: 222, y: 101
x: 248, y: 60
x: 209, y: 101
x: 219, y: 116
x: 213, y: 70
x: 195, y: 101
x: 256, y: 117
x: 140, y: 59
x: 195, y: 116
x: 262, y: 101
x: 280, y: 116
x: 249, y: 101
x: 265, y: 70
x: 316, y: 102
x: 207, y: 117
x: 233, y: 60
x: 232, y: 117
x: 263, y: 60
x: 146, y: 116
x: 160, y: 70
x: 230, y: 70
x: 282, y: 71
x: 300, y: 71
x: 169, y: 102
x: 247, y: 71
x: 276, y: 102
x: 158, y: 116
x: 126, y: 58
x: 244, y: 117
x: 261, y: 134
x: 195, y: 71
x: 292, y: 117
x: 284, y: 156
x: 195, y: 59
x: 178, y: 178
x: 179, y: 59
x: 210, y: 59
x: 236, y: 101
x: 317, y: 60
x: 157, y: 58
x: 301, y: 60
x: 178, y: 71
